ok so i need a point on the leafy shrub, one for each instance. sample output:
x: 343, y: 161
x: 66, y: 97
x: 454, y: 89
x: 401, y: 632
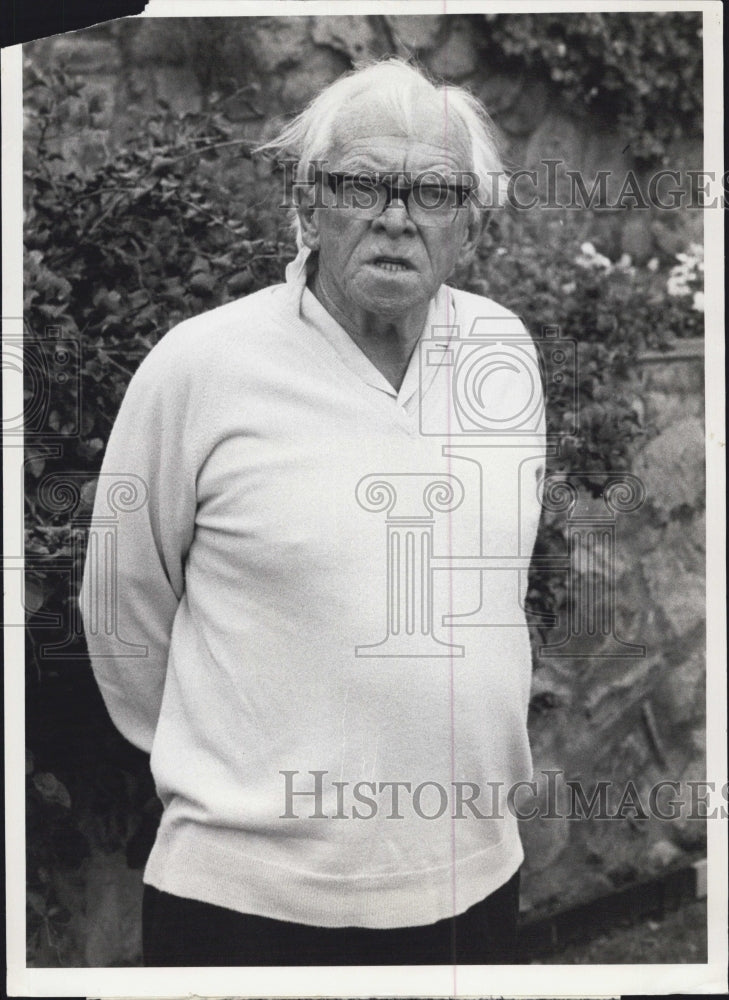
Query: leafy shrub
x: 638, y: 69
x: 115, y: 256
x: 116, y: 253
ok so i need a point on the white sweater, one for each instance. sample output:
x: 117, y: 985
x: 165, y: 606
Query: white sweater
x: 254, y: 564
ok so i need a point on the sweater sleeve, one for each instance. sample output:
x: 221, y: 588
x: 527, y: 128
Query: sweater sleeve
x: 141, y: 529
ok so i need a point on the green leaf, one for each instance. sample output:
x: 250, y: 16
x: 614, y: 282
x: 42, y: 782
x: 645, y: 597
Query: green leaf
x: 200, y: 265
x: 240, y: 283
x: 35, y: 466
x: 202, y: 285
x: 88, y: 493
x: 34, y: 595
x: 52, y: 789
x: 36, y: 902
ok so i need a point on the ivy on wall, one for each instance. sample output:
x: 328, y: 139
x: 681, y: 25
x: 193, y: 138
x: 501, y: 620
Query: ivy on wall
x: 642, y: 71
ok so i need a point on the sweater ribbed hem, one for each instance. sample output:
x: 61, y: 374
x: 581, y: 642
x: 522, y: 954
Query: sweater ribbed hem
x: 201, y: 863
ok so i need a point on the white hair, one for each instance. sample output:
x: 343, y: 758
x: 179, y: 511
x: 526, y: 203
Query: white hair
x: 398, y: 89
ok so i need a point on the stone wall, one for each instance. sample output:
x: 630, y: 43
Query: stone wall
x: 639, y: 718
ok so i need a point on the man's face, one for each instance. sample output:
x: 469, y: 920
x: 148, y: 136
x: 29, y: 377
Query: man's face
x: 354, y: 253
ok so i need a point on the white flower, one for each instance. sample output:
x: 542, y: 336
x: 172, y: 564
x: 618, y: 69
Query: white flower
x: 685, y: 276
x: 652, y: 264
x: 676, y: 286
x: 592, y: 259
x: 625, y: 261
x: 569, y: 288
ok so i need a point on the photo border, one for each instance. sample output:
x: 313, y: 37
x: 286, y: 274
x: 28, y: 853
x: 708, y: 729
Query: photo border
x: 526, y: 980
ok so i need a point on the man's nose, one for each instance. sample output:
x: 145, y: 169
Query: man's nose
x: 394, y: 218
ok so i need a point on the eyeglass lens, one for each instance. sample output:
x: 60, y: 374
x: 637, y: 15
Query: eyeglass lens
x: 428, y: 203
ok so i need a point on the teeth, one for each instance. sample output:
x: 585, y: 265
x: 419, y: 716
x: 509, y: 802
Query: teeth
x: 388, y: 265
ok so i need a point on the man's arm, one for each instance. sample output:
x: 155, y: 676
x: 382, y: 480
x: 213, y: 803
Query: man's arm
x: 142, y: 527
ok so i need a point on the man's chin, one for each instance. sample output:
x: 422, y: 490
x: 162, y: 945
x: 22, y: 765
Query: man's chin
x: 393, y: 298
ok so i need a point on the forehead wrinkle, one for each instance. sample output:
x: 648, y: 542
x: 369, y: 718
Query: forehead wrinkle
x: 437, y: 147
x: 431, y: 126
x: 397, y: 154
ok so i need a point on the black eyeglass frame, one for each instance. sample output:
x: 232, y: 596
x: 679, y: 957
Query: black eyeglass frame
x: 436, y: 216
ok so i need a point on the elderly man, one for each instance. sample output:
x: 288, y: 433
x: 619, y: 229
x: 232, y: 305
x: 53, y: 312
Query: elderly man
x: 315, y: 465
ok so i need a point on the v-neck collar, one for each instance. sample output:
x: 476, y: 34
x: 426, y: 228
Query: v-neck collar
x: 441, y: 316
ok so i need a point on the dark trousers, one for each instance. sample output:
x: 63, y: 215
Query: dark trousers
x: 179, y: 931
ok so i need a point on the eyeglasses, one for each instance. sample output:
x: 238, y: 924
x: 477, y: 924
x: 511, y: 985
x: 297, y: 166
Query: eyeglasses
x: 429, y: 201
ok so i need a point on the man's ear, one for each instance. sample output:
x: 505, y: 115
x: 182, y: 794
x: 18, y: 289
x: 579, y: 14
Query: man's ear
x: 305, y: 209
x: 472, y: 239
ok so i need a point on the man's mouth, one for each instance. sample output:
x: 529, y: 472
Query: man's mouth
x: 392, y: 264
